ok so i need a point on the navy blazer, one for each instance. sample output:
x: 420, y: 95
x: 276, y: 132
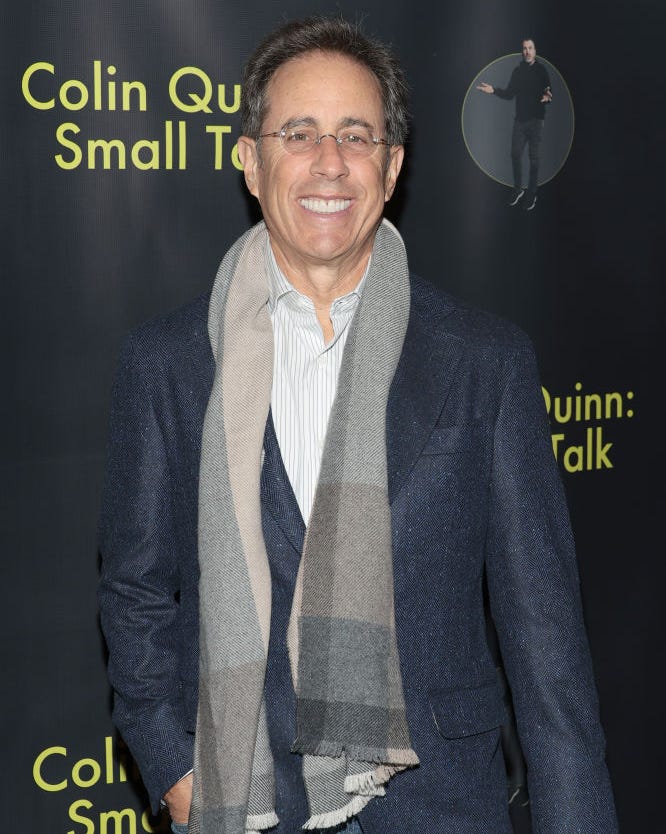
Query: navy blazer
x: 474, y: 492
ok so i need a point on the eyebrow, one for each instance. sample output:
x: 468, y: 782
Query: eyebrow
x: 348, y: 121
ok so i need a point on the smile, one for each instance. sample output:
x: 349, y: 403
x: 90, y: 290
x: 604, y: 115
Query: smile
x: 324, y: 206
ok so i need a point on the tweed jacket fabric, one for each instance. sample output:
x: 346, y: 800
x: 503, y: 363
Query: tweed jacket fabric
x: 474, y: 491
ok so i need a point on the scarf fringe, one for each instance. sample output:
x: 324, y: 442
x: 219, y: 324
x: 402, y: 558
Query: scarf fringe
x: 332, y: 818
x: 398, y: 758
x: 256, y: 823
x: 370, y: 783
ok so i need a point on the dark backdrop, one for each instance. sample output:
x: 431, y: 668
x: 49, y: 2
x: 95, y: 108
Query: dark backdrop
x: 90, y: 252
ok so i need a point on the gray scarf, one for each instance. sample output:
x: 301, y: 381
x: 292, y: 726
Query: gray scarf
x: 351, y: 724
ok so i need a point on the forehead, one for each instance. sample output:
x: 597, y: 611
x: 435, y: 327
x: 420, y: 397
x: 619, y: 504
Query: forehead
x: 323, y: 86
x: 529, y: 44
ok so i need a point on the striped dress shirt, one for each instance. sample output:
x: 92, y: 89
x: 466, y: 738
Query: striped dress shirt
x: 305, y: 377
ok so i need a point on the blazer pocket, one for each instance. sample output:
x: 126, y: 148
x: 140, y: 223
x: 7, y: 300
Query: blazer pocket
x: 459, y: 713
x: 466, y: 750
x: 461, y: 439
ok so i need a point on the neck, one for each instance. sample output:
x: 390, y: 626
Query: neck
x: 323, y: 282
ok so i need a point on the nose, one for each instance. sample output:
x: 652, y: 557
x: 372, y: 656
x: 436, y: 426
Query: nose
x: 327, y: 158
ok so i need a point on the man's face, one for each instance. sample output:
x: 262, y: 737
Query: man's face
x: 320, y: 207
x: 529, y: 51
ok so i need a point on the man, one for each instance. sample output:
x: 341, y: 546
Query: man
x: 310, y: 473
x: 530, y: 86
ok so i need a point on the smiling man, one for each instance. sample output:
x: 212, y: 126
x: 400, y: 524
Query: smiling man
x: 323, y: 176
x: 312, y: 473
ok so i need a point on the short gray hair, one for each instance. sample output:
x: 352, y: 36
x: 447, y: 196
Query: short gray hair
x: 332, y: 35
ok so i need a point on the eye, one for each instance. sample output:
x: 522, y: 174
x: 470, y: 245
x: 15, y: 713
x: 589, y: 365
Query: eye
x: 355, y: 137
x: 298, y: 136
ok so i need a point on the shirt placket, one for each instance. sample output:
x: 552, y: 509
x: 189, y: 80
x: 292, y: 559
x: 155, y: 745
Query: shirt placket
x: 311, y: 410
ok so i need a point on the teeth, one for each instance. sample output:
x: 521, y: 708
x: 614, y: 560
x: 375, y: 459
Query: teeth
x: 324, y: 206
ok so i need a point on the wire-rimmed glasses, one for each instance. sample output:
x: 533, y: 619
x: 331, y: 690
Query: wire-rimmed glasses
x: 353, y: 141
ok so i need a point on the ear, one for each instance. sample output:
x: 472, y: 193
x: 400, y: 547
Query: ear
x: 249, y: 157
x: 396, y: 156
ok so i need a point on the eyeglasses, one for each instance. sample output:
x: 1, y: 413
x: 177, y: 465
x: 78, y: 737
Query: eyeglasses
x: 351, y: 141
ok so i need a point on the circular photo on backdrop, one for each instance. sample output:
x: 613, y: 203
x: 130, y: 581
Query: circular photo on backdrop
x: 488, y: 123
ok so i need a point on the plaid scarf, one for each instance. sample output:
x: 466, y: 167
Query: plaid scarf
x: 351, y: 724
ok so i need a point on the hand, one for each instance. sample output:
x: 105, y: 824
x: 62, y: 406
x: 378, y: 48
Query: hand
x: 179, y: 798
x: 485, y: 88
x: 547, y: 96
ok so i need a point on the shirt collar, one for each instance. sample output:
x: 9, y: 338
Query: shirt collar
x: 279, y: 285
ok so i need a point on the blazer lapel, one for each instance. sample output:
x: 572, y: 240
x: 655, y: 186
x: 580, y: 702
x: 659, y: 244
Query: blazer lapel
x: 419, y: 391
x: 277, y: 494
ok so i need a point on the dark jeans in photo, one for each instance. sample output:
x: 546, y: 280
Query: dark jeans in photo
x: 526, y: 133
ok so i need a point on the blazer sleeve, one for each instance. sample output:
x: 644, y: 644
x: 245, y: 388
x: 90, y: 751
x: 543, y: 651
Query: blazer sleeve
x: 535, y: 601
x: 140, y: 581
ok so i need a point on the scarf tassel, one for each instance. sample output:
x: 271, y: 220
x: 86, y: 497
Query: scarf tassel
x: 256, y: 823
x: 400, y: 759
x: 340, y: 815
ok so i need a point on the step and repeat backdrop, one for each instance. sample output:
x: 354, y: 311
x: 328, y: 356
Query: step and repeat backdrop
x: 121, y: 191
